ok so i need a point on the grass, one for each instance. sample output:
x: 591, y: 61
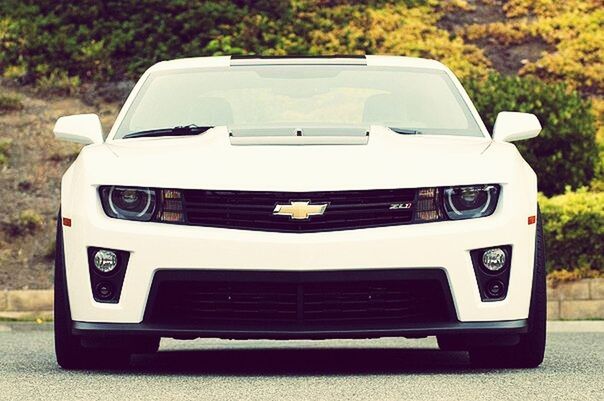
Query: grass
x: 10, y: 102
x: 27, y: 222
x: 29, y: 319
x: 563, y: 276
x: 5, y: 144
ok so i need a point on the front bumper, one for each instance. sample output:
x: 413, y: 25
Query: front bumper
x: 240, y: 304
x: 416, y: 330
x: 156, y: 246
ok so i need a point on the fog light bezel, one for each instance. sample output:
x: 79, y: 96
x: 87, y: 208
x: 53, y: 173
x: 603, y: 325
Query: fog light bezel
x: 114, y: 277
x: 485, y: 276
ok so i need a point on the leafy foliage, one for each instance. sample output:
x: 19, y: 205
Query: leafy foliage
x: 547, y: 8
x: 27, y: 222
x: 574, y: 230
x: 101, y: 40
x: 5, y: 144
x: 97, y: 40
x: 555, y: 277
x: 574, y: 29
x: 394, y: 29
x: 565, y: 153
x: 58, y: 82
x: 10, y: 102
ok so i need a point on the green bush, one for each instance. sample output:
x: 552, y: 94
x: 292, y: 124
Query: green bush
x: 59, y: 83
x: 101, y: 40
x: 27, y: 222
x: 573, y: 226
x: 5, y: 144
x: 565, y: 153
x: 9, y: 102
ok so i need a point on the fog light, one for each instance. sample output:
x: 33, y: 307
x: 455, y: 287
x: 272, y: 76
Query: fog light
x: 104, y: 290
x: 495, y: 289
x: 105, y: 261
x: 493, y: 259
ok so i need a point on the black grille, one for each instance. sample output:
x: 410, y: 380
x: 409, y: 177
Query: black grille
x: 253, y: 210
x: 298, y: 301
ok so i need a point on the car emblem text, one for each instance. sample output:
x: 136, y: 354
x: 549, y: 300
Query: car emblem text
x: 404, y: 205
x: 300, y: 210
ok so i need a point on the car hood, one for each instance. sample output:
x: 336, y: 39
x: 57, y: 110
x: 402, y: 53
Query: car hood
x: 210, y: 161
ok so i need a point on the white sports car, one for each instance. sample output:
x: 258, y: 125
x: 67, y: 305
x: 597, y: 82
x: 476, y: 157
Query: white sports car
x: 299, y: 198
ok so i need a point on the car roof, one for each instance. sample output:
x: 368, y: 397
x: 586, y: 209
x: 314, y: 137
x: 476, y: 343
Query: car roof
x: 228, y: 61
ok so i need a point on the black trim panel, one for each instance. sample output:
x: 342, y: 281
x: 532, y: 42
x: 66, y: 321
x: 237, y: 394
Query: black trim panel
x: 299, y: 277
x: 240, y: 299
x: 499, y: 327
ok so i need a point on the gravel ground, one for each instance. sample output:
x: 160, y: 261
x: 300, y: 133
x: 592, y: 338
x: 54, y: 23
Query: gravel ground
x: 384, y: 369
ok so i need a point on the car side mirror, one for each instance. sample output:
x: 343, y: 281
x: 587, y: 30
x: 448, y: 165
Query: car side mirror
x: 512, y: 126
x: 79, y: 128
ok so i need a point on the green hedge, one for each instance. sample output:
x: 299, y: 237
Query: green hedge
x: 94, y: 39
x: 101, y: 40
x: 565, y: 153
x: 573, y: 225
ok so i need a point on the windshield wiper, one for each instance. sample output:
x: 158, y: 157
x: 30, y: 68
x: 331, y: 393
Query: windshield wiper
x: 181, y: 130
x: 405, y: 131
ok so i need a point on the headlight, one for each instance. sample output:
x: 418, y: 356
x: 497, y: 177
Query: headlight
x: 128, y: 203
x: 468, y: 202
x: 142, y: 204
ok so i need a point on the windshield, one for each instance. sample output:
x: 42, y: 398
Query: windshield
x: 301, y: 96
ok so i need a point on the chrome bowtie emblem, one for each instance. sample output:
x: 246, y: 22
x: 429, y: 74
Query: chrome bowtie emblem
x: 301, y: 210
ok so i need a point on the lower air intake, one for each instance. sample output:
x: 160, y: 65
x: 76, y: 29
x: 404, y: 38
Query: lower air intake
x: 230, y: 299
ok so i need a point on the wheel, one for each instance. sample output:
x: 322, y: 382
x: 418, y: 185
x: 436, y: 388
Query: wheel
x: 69, y: 351
x: 529, y: 352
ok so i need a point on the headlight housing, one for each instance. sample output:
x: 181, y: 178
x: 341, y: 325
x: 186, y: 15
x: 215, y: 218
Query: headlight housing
x: 468, y: 202
x: 456, y: 203
x: 142, y: 204
x: 128, y: 203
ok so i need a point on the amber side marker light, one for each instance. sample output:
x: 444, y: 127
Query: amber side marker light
x: 532, y: 220
x: 66, y: 222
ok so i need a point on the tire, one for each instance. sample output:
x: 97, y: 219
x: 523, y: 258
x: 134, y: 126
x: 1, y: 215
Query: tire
x: 69, y: 351
x: 529, y: 352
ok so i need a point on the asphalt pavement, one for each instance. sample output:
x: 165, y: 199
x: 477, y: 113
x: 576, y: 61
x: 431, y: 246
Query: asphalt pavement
x: 382, y: 369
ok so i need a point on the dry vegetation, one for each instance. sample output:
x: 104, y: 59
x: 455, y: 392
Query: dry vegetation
x: 551, y: 39
x: 31, y: 164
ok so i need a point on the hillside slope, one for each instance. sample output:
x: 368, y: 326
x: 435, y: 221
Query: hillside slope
x: 30, y: 183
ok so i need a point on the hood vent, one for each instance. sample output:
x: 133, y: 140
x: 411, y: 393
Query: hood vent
x: 299, y: 140
x: 299, y: 136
